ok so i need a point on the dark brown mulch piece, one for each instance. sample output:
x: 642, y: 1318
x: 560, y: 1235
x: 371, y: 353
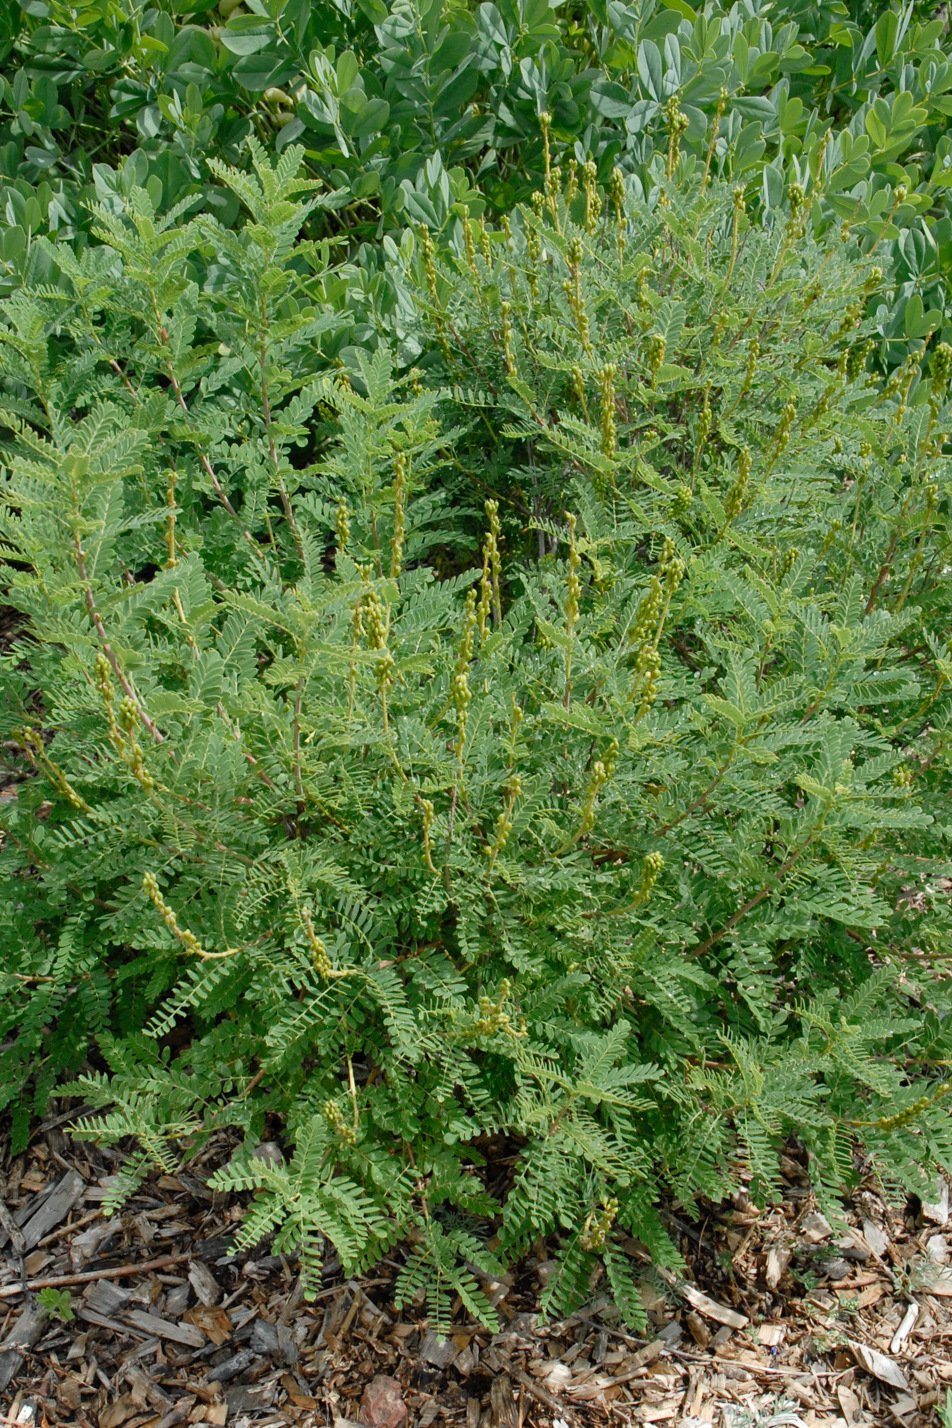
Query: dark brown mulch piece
x: 21, y: 1338
x: 785, y: 1316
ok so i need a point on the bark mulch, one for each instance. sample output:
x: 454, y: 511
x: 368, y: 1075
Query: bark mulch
x: 148, y: 1318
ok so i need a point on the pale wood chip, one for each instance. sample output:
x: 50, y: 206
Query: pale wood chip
x: 876, y: 1238
x: 905, y: 1329
x: 937, y: 1279
x: 770, y: 1335
x: 937, y: 1210
x: 710, y: 1307
x: 815, y: 1227
x: 436, y: 1351
x: 778, y: 1257
x: 937, y: 1248
x: 21, y: 1338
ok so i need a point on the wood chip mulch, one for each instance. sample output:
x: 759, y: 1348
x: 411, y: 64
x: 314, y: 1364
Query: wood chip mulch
x: 148, y: 1318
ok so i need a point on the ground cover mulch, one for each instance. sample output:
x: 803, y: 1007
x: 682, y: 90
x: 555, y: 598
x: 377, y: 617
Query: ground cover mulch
x: 149, y: 1318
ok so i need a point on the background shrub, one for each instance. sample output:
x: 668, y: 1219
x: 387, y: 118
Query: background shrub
x: 421, y: 111
x: 540, y: 745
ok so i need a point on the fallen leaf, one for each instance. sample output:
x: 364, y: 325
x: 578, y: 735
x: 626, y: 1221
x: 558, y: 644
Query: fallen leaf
x: 879, y: 1366
x: 850, y: 1406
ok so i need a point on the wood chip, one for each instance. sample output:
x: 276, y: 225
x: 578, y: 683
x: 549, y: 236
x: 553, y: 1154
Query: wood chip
x: 104, y: 1297
x: 815, y: 1228
x: 778, y: 1257
x: 436, y: 1351
x: 213, y: 1322
x: 905, y: 1329
x: 770, y: 1335
x: 937, y: 1279
x: 937, y: 1210
x: 698, y: 1330
x: 879, y: 1365
x: 84, y: 1246
x: 21, y: 1338
x: 203, y: 1282
x: 164, y: 1329
x: 66, y: 1193
x: 937, y: 1248
x: 710, y: 1307
x: 876, y: 1238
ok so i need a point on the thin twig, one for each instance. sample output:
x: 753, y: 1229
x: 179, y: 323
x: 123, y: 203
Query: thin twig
x: 121, y: 1271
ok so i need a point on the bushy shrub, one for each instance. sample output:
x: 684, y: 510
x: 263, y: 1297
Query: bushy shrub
x: 423, y: 110
x: 543, y: 748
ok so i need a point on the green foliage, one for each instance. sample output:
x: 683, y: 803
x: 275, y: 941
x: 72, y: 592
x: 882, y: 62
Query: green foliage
x: 423, y: 111
x: 58, y: 1303
x: 612, y: 824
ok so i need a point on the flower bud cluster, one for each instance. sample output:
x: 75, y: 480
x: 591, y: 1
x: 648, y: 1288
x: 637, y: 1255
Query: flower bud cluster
x: 676, y: 122
x: 33, y: 743
x: 505, y: 309
x: 460, y: 694
x: 788, y: 415
x: 573, y: 584
x: 737, y: 495
x: 494, y: 1018
x: 593, y: 198
x: 646, y: 629
x: 341, y: 1127
x: 682, y: 502
x: 573, y: 291
x: 750, y: 371
x: 607, y: 392
x: 650, y: 872
x: 490, y: 593
x: 598, y: 1226
x: 578, y: 387
x: 656, y: 347
x: 616, y: 193
x: 172, y: 559
x: 601, y: 772
x: 188, y: 939
x: 857, y: 357
x: 401, y: 467
x: 342, y: 526
x: 122, y: 732
x: 571, y: 181
x: 534, y: 256
x: 798, y: 211
x: 427, y: 806
x: 469, y: 247
x: 504, y: 819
